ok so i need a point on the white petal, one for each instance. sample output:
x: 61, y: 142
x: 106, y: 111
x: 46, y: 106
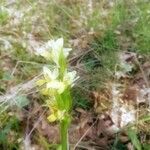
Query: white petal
x: 55, y: 73
x: 66, y: 51
x: 55, y: 56
x: 59, y: 43
x: 70, y: 77
x: 57, y: 46
x: 49, y: 44
x: 52, y: 75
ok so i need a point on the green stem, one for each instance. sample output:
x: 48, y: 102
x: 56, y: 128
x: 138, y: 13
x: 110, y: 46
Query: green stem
x: 64, y: 135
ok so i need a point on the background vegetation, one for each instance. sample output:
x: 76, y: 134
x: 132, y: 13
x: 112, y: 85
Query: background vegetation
x: 98, y: 32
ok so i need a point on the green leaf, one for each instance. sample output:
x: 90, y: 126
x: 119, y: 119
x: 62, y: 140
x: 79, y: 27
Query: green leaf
x: 11, y: 124
x: 3, y: 16
x: 134, y: 139
x: 59, y: 147
x: 3, y: 137
x: 66, y: 97
x: 62, y: 64
x: 146, y: 146
x: 21, y: 101
x: 60, y: 101
x: 7, y: 76
x: 145, y: 118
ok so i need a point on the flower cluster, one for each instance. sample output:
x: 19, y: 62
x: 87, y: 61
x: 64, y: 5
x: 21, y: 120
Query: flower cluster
x: 56, y: 83
x: 53, y: 49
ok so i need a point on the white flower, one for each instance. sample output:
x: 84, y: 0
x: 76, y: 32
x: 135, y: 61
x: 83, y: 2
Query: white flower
x: 70, y: 78
x: 51, y: 80
x: 53, y: 49
x: 57, y: 50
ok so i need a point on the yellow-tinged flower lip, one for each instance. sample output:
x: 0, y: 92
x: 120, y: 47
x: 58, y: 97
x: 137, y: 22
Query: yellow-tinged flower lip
x: 52, y: 118
x: 41, y: 82
x: 57, y: 85
x: 56, y: 115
